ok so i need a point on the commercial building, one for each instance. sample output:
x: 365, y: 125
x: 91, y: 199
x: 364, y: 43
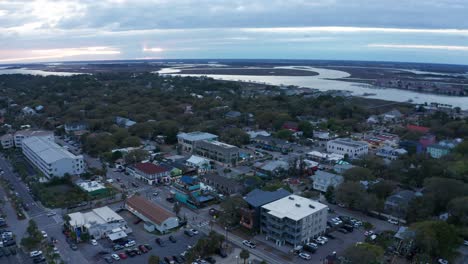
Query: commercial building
x: 272, y: 144
x: 23, y: 134
x: 217, y: 151
x: 250, y: 217
x: 92, y: 188
x: 390, y: 153
x: 187, y: 190
x: 222, y: 184
x: 322, y: 180
x: 99, y: 223
x: 7, y: 141
x: 150, y: 173
x: 154, y: 216
x: 293, y: 220
x: 347, y: 146
x: 50, y: 158
x: 187, y: 140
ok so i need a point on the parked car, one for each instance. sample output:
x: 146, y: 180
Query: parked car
x: 222, y: 253
x: 35, y: 253
x: 249, y: 244
x: 44, y: 234
x: 172, y: 239
x: 210, y: 260
x: 122, y: 255
x: 115, y: 256
x: 194, y: 231
x: 189, y: 233
x: 130, y: 243
x: 108, y: 260
x: 39, y: 259
x: 442, y: 261
x: 118, y: 247
x: 392, y: 221
x: 168, y: 260
x: 369, y: 233
x: 177, y: 259
x: 342, y: 230
x: 148, y: 247
x: 143, y: 249
x: 159, y: 241
x: 94, y: 242
x: 51, y: 214
x: 305, y: 256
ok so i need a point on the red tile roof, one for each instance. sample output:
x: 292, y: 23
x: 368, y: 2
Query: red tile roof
x: 152, y: 211
x: 419, y: 129
x: 150, y: 168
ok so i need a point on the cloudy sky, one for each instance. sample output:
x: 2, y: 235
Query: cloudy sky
x: 390, y: 30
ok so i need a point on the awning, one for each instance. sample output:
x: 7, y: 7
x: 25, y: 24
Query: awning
x: 117, y: 235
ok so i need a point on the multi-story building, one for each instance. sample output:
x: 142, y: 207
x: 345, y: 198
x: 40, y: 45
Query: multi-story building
x: 23, y: 134
x: 347, y: 146
x: 150, y: 173
x: 187, y: 140
x: 442, y: 148
x: 7, y: 141
x: 217, y: 151
x: 293, y: 220
x: 52, y: 159
x: 323, y: 180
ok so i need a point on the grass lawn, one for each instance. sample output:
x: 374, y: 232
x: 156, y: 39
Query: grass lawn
x: 60, y: 195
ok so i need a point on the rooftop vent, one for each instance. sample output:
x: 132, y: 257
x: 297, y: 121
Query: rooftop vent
x: 311, y: 206
x: 291, y: 198
x: 298, y: 205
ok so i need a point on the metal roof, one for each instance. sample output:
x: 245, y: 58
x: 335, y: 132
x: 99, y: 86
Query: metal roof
x: 258, y: 197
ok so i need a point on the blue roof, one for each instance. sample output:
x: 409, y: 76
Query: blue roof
x: 258, y: 197
x: 187, y: 180
x: 204, y: 198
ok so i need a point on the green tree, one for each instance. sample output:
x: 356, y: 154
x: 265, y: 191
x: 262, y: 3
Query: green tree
x: 244, y: 254
x: 231, y: 210
x: 364, y: 253
x: 131, y: 141
x: 358, y: 174
x: 458, y: 210
x: 350, y: 194
x: 136, y: 155
x: 330, y: 194
x: 436, y: 239
x: 442, y: 190
x: 285, y: 134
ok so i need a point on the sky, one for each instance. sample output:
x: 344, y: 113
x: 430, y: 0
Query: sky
x: 384, y: 30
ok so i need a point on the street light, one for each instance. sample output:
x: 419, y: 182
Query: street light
x: 237, y: 259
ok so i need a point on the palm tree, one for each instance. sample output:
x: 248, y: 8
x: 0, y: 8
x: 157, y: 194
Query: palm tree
x: 244, y: 254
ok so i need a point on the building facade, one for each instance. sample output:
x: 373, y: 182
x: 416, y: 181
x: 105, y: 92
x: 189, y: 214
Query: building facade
x: 346, y: 146
x: 150, y: 173
x: 187, y: 140
x: 217, y: 151
x: 51, y: 159
x: 293, y: 220
x: 7, y: 141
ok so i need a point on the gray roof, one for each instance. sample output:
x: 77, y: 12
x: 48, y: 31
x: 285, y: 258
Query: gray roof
x: 326, y: 176
x: 196, y: 136
x: 258, y: 197
x: 48, y: 151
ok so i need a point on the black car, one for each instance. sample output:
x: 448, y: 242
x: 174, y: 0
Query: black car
x: 103, y: 252
x: 177, y: 259
x: 222, y: 253
x: 168, y: 260
x: 330, y: 236
x: 6, y: 252
x: 160, y: 242
x: 189, y: 233
x: 108, y: 259
x: 349, y: 227
x: 344, y: 231
x: 309, y: 249
x: 13, y: 251
x: 172, y: 239
x: 39, y: 259
x: 148, y: 247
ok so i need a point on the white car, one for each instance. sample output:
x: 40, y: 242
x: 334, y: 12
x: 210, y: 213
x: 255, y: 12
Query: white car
x: 443, y: 261
x: 249, y: 244
x: 130, y: 243
x: 56, y: 251
x: 93, y: 242
x: 392, y: 221
x: 115, y: 256
x: 323, y: 238
x: 194, y: 231
x: 44, y: 234
x: 305, y: 256
x: 465, y: 242
x: 35, y: 253
x: 51, y: 213
x: 313, y: 245
x: 320, y: 241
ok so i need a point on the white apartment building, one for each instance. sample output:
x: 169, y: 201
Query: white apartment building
x: 352, y: 148
x: 19, y: 136
x: 188, y: 140
x: 293, y: 220
x: 52, y: 159
x: 7, y: 141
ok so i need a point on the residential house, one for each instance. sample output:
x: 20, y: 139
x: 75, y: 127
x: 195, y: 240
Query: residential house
x: 187, y: 190
x: 28, y: 111
x: 390, y: 153
x: 233, y: 115
x: 322, y: 180
x: 7, y: 141
x: 250, y: 217
x: 155, y: 217
x: 271, y: 167
x: 124, y: 122
x: 340, y: 168
x: 222, y: 184
x: 442, y: 148
x: 293, y: 220
x: 397, y: 204
x: 201, y: 164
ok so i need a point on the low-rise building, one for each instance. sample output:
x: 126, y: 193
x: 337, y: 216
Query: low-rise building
x: 124, y: 122
x: 271, y: 168
x: 187, y: 190
x: 347, y: 146
x: 222, y: 184
x: 7, y: 141
x: 250, y: 217
x: 154, y: 216
x: 293, y: 220
x: 272, y: 144
x: 19, y: 136
x: 390, y: 153
x: 52, y: 159
x: 187, y: 140
x: 397, y: 204
x: 203, y: 165
x: 150, y: 173
x: 92, y: 188
x: 99, y: 223
x: 75, y: 127
x: 217, y: 151
x: 322, y: 180
x: 442, y: 148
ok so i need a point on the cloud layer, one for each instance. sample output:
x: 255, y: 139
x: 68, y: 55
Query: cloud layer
x: 414, y: 30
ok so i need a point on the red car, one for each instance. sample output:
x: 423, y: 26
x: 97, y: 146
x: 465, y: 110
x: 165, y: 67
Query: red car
x: 143, y: 249
x: 122, y: 255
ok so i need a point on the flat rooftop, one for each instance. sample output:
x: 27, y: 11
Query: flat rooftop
x: 48, y: 150
x: 220, y: 144
x: 196, y: 136
x: 349, y: 142
x: 293, y: 207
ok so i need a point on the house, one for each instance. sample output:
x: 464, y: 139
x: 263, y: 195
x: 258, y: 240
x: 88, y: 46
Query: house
x: 398, y: 203
x: 39, y: 108
x: 187, y: 140
x: 272, y: 167
x: 150, y: 173
x: 325, y: 157
x: 254, y: 134
x: 427, y: 140
x: 373, y: 119
x: 51, y: 159
x: 347, y: 146
x: 7, y: 141
x: 322, y: 137
x: 155, y: 217
x: 293, y: 220
x: 187, y: 190
x: 28, y: 111
x: 323, y: 180
x: 442, y: 148
x: 250, y: 217
x: 289, y: 125
x: 124, y: 122
x: 222, y: 184
x: 99, y: 223
x: 392, y: 116
x: 203, y: 165
x: 217, y: 151
x: 19, y: 136
x: 390, y: 153
x: 272, y: 144
x: 418, y: 129
x: 340, y: 168
x: 75, y: 127
x: 233, y: 114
